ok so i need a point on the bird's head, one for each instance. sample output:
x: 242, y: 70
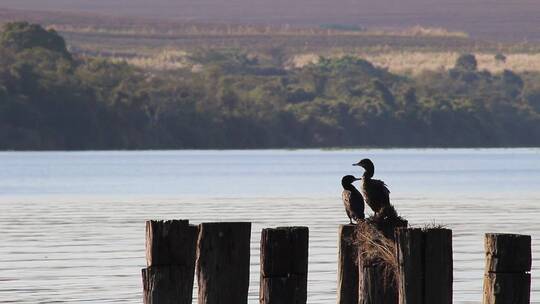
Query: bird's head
x: 348, y: 180
x: 367, y: 164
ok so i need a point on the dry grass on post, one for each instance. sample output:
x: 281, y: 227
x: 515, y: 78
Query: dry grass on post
x: 374, y: 248
x: 377, y: 260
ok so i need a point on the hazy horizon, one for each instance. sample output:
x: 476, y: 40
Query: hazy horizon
x: 486, y: 19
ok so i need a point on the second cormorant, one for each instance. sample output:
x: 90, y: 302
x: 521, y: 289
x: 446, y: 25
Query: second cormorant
x: 352, y: 199
x: 375, y: 192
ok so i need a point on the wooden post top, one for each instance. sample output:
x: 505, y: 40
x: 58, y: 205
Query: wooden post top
x: 224, y: 223
x: 285, y: 251
x: 509, y: 253
x: 170, y: 242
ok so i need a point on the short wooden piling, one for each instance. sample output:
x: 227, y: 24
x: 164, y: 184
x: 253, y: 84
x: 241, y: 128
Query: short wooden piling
x: 284, y: 265
x: 223, y: 263
x: 170, y: 257
x: 347, y: 289
x: 507, y: 276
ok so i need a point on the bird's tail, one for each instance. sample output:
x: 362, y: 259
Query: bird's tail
x: 389, y: 212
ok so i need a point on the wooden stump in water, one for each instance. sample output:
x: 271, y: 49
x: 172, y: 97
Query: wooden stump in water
x: 438, y: 266
x: 377, y: 261
x: 410, y: 253
x: 170, y: 257
x: 508, y: 263
x: 284, y: 265
x: 509, y: 253
x: 376, y: 286
x: 167, y: 284
x: 503, y: 288
x: 347, y: 290
x: 223, y: 263
x: 171, y: 243
x: 425, y: 265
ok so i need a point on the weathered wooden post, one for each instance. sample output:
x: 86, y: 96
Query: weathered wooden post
x: 170, y: 257
x: 377, y: 261
x: 223, y: 263
x: 375, y: 286
x: 425, y: 265
x: 438, y: 266
x: 410, y: 254
x: 284, y: 265
x: 347, y: 289
x: 508, y: 263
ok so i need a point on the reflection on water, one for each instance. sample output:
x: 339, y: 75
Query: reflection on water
x: 73, y: 223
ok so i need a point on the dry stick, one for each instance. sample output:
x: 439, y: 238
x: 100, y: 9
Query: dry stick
x: 347, y: 290
x: 508, y: 263
x: 223, y: 263
x: 284, y: 265
x: 170, y: 257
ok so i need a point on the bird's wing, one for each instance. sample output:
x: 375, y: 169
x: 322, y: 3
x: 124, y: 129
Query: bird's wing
x: 346, y: 196
x: 381, y: 186
x: 381, y: 194
x: 357, y: 204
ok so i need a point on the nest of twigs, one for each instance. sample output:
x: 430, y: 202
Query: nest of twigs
x: 374, y: 239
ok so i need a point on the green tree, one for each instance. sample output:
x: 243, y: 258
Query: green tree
x: 500, y: 57
x: 23, y: 35
x: 466, y: 62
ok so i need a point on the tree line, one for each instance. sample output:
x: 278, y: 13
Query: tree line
x: 51, y: 99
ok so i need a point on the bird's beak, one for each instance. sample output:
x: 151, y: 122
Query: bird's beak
x: 357, y: 179
x: 357, y: 164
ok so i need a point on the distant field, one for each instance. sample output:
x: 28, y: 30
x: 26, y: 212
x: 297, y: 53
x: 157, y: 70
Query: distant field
x: 514, y: 20
x: 417, y: 62
x: 166, y: 44
x: 395, y: 62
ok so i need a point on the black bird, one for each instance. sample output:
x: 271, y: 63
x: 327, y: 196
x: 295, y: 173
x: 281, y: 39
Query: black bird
x: 352, y: 199
x: 375, y: 192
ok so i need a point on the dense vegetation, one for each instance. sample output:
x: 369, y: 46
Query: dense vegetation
x: 50, y: 99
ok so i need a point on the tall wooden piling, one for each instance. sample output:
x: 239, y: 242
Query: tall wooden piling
x: 223, y: 263
x: 438, y: 266
x: 425, y: 265
x: 376, y: 286
x: 410, y: 254
x: 170, y: 259
x: 377, y: 261
x: 347, y: 289
x: 284, y: 265
x: 507, y: 276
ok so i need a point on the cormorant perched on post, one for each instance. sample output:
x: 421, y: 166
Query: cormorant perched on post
x: 375, y: 192
x: 352, y: 199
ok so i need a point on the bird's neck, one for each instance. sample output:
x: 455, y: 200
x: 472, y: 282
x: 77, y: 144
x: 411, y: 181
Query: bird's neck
x: 368, y: 174
x: 349, y: 187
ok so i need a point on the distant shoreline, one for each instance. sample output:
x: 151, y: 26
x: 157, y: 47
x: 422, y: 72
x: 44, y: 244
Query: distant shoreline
x: 289, y: 149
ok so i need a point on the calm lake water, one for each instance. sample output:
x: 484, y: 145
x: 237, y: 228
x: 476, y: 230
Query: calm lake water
x: 72, y: 223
